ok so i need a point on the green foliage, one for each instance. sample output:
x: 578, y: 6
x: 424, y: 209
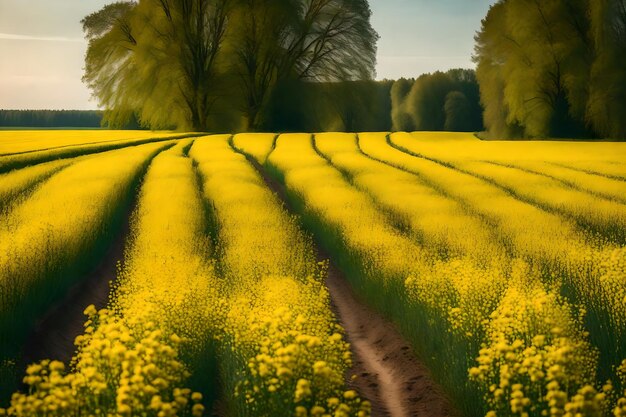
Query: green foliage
x: 553, y: 69
x: 300, y: 106
x: 426, y: 101
x: 438, y: 101
x: 401, y: 120
x: 457, y: 110
x: 51, y: 118
x: 214, y: 64
x: 158, y: 59
x: 606, y: 107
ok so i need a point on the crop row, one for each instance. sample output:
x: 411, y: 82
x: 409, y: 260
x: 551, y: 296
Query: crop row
x: 517, y: 314
x: 282, y: 352
x: 57, y: 234
x: 15, y: 161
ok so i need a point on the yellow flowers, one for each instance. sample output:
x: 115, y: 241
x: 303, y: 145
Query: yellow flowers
x: 17, y: 141
x: 117, y: 371
x: 134, y: 358
x: 57, y: 234
x: 503, y: 263
x: 474, y: 260
x: 49, y: 145
x: 281, y: 340
x: 533, y: 343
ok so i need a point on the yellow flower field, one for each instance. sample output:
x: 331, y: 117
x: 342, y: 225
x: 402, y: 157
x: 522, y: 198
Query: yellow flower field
x: 503, y: 264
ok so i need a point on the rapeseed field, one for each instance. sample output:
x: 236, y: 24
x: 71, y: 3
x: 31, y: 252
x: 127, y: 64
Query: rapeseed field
x: 503, y: 264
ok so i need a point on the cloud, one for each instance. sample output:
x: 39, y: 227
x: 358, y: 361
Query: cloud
x: 17, y: 37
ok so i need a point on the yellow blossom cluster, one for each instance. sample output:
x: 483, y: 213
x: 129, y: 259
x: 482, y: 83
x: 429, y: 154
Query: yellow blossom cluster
x: 536, y: 357
x: 613, y: 287
x: 117, y: 371
x: 259, y: 145
x: 168, y: 240
x: 453, y: 146
x: 133, y: 358
x: 598, y: 214
x: 466, y: 265
x: 566, y: 254
x: 602, y: 186
x: 466, y: 271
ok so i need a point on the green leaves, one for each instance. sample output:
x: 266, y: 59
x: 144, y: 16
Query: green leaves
x: 209, y: 64
x: 550, y: 68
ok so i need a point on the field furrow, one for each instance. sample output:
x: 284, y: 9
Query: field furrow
x: 11, y: 162
x: 594, y: 214
x: 598, y: 186
x: 377, y: 259
x: 58, y: 234
x: 387, y: 372
x: 611, y: 170
x: 15, y: 184
x: 432, y: 302
x: 580, y: 265
x: 282, y: 351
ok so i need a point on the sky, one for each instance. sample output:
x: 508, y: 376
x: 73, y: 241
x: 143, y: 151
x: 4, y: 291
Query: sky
x: 42, y: 46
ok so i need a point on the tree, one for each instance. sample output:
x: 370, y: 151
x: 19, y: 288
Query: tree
x: 313, y: 40
x: 173, y: 61
x: 606, y: 108
x: 157, y: 58
x: 489, y: 52
x: 558, y: 71
x: 458, y: 113
x: 400, y: 118
x: 426, y: 101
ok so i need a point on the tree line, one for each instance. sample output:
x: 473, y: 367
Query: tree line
x: 544, y: 68
x: 553, y: 68
x: 439, y: 101
x: 57, y: 119
x: 270, y: 65
x: 50, y: 118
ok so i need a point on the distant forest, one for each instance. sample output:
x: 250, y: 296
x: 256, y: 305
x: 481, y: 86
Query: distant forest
x: 50, y: 118
x: 438, y: 101
x: 88, y: 119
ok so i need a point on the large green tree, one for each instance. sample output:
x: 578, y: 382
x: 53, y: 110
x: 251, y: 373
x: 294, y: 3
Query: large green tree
x: 278, y: 41
x: 185, y: 63
x: 553, y: 68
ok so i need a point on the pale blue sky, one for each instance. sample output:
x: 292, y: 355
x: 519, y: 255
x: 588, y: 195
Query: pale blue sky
x: 41, y: 45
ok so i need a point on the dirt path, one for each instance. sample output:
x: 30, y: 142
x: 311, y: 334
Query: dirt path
x: 53, y: 336
x: 387, y: 371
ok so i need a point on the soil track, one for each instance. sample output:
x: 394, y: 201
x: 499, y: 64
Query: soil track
x: 387, y: 371
x: 54, y: 334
